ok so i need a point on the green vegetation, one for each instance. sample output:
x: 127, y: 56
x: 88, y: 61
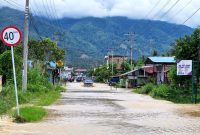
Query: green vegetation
x: 40, y: 91
x: 126, y: 66
x: 179, y: 89
x: 31, y: 114
x: 48, y: 98
x: 103, y: 73
x: 145, y: 89
x: 167, y: 92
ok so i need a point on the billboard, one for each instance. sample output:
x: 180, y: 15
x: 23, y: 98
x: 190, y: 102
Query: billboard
x: 184, y: 67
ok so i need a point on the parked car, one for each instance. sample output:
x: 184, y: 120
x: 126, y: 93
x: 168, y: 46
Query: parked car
x: 113, y: 81
x: 88, y: 83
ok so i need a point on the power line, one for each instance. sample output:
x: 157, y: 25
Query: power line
x: 179, y: 11
x: 51, y: 14
x: 160, y: 10
x: 52, y: 5
x: 48, y: 14
x: 157, y: 3
x: 13, y: 4
x: 177, y: 1
x: 34, y: 26
x: 191, y: 16
x: 56, y: 14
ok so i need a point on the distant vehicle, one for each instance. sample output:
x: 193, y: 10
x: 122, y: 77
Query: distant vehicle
x: 113, y: 81
x: 88, y: 83
x: 79, y: 79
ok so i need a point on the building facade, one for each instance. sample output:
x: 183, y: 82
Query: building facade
x: 115, y: 59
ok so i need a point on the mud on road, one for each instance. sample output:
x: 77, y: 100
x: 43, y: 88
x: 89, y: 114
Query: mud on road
x: 102, y: 111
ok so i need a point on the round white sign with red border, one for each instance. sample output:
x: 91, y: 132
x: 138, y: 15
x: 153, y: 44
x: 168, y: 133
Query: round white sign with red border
x: 11, y: 36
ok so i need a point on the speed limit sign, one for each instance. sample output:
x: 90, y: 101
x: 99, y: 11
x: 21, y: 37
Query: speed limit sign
x: 11, y: 36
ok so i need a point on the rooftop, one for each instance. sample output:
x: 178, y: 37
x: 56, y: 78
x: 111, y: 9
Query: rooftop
x: 160, y: 60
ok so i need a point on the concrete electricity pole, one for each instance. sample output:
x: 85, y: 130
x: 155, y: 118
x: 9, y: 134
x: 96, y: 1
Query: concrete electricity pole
x: 25, y: 53
x: 131, y: 57
x: 131, y: 40
x: 112, y: 61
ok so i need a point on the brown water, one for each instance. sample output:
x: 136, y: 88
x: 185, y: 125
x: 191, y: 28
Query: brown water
x: 102, y: 111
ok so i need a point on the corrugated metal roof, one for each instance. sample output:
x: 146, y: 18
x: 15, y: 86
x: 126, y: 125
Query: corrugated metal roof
x: 163, y: 59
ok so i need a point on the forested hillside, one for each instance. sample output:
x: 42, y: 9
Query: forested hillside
x: 87, y: 40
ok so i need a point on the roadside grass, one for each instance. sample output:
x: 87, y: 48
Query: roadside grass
x: 30, y: 114
x: 167, y: 92
x: 48, y: 98
x: 40, y: 92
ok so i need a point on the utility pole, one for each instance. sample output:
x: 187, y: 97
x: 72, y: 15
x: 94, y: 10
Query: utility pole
x: 112, y: 62
x: 131, y: 57
x: 25, y: 53
x: 131, y: 40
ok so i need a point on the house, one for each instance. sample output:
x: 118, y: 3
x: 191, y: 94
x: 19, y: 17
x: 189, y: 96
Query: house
x: 161, y: 66
x: 116, y: 59
x: 137, y: 77
x: 80, y: 72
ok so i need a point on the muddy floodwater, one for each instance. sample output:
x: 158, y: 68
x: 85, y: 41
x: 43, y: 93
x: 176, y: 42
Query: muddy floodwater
x: 104, y: 111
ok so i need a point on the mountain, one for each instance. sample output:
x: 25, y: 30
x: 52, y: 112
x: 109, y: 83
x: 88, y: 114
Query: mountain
x: 88, y: 40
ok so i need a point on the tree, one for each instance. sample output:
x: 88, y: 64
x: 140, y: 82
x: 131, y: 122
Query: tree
x: 140, y: 61
x: 185, y: 49
x: 103, y: 73
x: 45, y: 50
x: 126, y: 67
x: 6, y: 64
x: 154, y: 53
x: 3, y: 47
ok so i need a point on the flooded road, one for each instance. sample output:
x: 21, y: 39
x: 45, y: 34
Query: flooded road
x: 102, y: 111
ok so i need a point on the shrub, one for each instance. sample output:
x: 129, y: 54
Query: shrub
x: 147, y: 88
x: 37, y: 88
x: 7, y: 99
x: 160, y: 91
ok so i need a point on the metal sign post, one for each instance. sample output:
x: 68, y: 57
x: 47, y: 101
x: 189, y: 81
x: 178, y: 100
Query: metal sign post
x: 12, y: 36
x: 186, y: 68
x: 193, y: 85
x: 15, y: 81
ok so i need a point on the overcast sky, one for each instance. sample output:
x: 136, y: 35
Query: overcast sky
x: 176, y: 11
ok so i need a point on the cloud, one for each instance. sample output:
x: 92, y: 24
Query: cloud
x: 134, y: 9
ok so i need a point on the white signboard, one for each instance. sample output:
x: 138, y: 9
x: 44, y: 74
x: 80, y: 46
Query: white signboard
x: 184, y: 67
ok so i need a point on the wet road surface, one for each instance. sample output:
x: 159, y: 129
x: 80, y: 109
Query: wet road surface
x: 102, y: 111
